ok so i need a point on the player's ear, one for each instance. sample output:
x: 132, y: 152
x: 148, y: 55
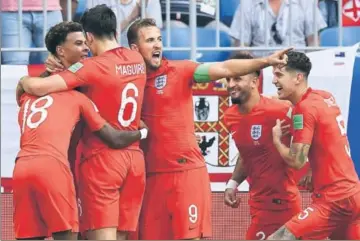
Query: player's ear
x: 134, y: 47
x: 59, y: 51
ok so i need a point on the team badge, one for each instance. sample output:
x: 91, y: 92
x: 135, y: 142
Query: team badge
x: 256, y: 132
x: 160, y: 82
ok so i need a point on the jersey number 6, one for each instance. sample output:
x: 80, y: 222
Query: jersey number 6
x: 125, y: 99
x: 27, y: 120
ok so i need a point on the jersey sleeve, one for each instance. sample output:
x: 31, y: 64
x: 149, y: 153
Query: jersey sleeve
x: 90, y: 114
x: 189, y: 70
x: 303, y: 124
x: 81, y: 73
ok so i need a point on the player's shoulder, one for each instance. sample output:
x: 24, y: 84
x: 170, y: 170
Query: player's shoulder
x: 275, y: 105
x: 314, y: 99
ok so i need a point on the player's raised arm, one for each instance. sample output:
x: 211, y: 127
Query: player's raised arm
x: 114, y: 138
x: 303, y: 125
x: 239, y: 175
x: 237, y: 67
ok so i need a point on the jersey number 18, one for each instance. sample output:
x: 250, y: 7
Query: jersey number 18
x: 42, y: 110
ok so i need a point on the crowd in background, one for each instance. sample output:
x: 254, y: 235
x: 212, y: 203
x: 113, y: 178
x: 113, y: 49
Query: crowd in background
x: 250, y: 32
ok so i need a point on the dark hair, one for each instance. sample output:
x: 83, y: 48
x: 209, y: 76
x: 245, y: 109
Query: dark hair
x: 100, y: 21
x: 244, y: 55
x: 298, y: 61
x: 58, y: 33
x: 132, y: 33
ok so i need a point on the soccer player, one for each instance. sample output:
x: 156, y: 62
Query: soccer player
x: 319, y: 134
x: 274, y: 196
x: 177, y: 198
x: 44, y: 193
x: 112, y: 182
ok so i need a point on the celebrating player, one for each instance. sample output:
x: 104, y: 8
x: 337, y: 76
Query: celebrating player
x: 178, y: 197
x: 112, y: 182
x: 274, y: 196
x: 44, y: 193
x: 320, y: 135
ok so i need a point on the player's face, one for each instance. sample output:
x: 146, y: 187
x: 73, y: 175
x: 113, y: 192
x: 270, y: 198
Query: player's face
x: 285, y: 81
x: 150, y: 46
x: 74, y: 48
x: 240, y: 88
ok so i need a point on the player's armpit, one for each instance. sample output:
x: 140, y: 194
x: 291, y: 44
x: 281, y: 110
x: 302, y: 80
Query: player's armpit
x: 42, y: 86
x: 282, y: 234
x: 117, y: 139
x: 295, y: 156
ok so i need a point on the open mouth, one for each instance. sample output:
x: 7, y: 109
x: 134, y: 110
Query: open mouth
x: 156, y: 54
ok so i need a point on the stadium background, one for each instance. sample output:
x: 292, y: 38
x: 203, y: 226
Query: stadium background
x: 336, y: 69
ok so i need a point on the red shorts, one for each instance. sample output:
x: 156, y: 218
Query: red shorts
x: 177, y: 205
x: 44, y: 197
x: 266, y: 222
x: 339, y: 219
x: 112, y: 185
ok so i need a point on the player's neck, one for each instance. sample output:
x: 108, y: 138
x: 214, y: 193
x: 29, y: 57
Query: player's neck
x: 250, y: 104
x: 66, y: 63
x: 297, y: 96
x: 106, y: 45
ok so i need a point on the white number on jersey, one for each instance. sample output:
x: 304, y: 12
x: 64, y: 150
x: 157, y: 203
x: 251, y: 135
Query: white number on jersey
x: 305, y: 213
x: 193, y: 213
x: 261, y: 235
x: 340, y: 122
x: 128, y: 100
x: 27, y: 120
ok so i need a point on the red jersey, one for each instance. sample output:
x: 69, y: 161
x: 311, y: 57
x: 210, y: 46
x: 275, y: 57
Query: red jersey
x: 168, y: 112
x: 47, y: 123
x: 317, y: 121
x: 270, y: 177
x: 115, y: 82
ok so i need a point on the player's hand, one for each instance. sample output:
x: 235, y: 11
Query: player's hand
x: 279, y: 58
x: 306, y: 181
x: 143, y: 125
x: 230, y: 198
x: 198, y: 139
x: 53, y: 64
x: 280, y: 130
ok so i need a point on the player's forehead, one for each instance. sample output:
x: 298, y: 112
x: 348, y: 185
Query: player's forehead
x: 149, y: 32
x: 279, y: 70
x: 75, y: 37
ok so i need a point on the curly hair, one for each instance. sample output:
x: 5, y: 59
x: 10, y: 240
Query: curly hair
x: 57, y: 34
x: 298, y: 61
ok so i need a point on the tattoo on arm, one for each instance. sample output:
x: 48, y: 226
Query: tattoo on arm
x: 299, y: 152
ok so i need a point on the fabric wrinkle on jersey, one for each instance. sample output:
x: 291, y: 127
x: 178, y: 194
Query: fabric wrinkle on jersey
x: 319, y: 123
x: 52, y: 135
x: 168, y: 112
x: 272, y: 182
x: 121, y: 74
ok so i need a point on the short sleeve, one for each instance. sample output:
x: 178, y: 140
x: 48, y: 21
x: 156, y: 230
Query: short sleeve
x: 235, y: 29
x: 303, y: 124
x: 90, y: 115
x: 309, y: 17
x: 189, y: 68
x: 81, y: 73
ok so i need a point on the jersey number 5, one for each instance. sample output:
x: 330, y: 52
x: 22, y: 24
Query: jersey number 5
x: 340, y: 122
x: 125, y: 100
x: 27, y: 120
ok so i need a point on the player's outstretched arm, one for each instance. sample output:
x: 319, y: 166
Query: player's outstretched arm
x: 239, y: 175
x: 42, y: 86
x: 117, y: 139
x: 295, y: 156
x: 237, y: 67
